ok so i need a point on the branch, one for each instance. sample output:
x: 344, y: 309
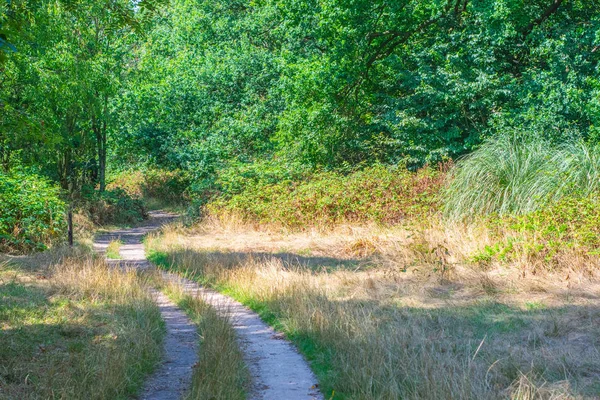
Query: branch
x: 549, y: 11
x: 394, y: 38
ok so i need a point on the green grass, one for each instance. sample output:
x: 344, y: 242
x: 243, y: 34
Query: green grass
x: 518, y: 175
x: 76, y: 330
x: 112, y: 250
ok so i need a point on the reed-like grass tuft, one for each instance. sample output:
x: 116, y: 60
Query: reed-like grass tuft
x: 516, y: 175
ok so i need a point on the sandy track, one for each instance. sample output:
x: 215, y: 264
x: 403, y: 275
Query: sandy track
x: 173, y: 378
x: 279, y: 372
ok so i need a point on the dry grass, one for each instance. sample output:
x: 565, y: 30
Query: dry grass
x: 74, y: 328
x: 221, y: 373
x: 387, y: 314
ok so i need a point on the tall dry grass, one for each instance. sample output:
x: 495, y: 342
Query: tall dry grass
x: 377, y: 333
x: 77, y: 329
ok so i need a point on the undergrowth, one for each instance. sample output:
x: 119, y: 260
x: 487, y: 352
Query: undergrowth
x: 375, y: 194
x: 554, y: 237
x: 513, y: 175
x: 112, y: 207
x: 156, y: 187
x: 32, y: 213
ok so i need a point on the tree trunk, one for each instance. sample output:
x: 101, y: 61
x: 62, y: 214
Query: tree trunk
x: 100, y: 133
x: 102, y: 165
x: 102, y: 139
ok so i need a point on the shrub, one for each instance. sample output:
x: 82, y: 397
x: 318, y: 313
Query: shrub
x: 114, y: 207
x: 32, y: 215
x: 376, y: 194
x: 238, y: 177
x: 168, y: 187
x: 130, y: 181
x: 569, y: 226
x: 517, y: 175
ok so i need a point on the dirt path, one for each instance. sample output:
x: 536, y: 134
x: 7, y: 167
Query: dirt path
x: 173, y: 377
x: 279, y: 372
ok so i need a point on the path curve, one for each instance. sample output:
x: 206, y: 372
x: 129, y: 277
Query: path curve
x: 279, y: 372
x: 173, y: 378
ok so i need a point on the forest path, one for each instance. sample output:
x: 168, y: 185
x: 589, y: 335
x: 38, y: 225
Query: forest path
x: 173, y: 377
x: 278, y: 371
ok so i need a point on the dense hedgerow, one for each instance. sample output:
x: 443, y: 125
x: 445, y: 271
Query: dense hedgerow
x: 512, y: 175
x: 32, y: 214
x: 168, y: 187
x: 114, y: 206
x: 375, y: 194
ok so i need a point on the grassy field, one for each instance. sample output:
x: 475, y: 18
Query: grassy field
x: 73, y: 328
x: 387, y: 313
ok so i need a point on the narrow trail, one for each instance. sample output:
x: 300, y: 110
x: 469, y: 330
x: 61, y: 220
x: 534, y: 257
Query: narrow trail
x: 173, y: 378
x: 278, y: 371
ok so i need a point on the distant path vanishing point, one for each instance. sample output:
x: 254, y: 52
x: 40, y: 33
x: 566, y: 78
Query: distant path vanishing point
x: 278, y: 371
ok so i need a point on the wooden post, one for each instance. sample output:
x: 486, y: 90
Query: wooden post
x: 70, y: 222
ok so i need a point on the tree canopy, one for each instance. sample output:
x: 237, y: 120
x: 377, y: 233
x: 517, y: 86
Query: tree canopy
x: 288, y: 86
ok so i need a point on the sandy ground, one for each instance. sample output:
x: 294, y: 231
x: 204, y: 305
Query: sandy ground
x: 278, y: 370
x: 173, y: 378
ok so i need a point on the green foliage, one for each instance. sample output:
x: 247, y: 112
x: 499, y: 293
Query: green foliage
x: 60, y: 84
x: 113, y: 207
x: 166, y: 186
x: 337, y: 84
x: 238, y: 94
x: 32, y: 214
x: 238, y: 178
x: 571, y: 225
x: 376, y: 194
x: 516, y: 174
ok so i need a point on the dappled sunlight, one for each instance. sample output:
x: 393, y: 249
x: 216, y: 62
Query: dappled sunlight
x: 74, y: 328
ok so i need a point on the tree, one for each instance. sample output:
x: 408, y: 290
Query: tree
x: 65, y: 72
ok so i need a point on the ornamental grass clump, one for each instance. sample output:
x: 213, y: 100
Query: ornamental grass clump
x: 515, y: 175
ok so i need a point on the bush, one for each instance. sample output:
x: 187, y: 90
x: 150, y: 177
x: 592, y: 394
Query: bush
x: 114, y: 207
x: 518, y: 174
x: 569, y: 226
x: 238, y: 177
x: 376, y: 194
x: 168, y: 187
x: 130, y: 181
x: 32, y: 215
